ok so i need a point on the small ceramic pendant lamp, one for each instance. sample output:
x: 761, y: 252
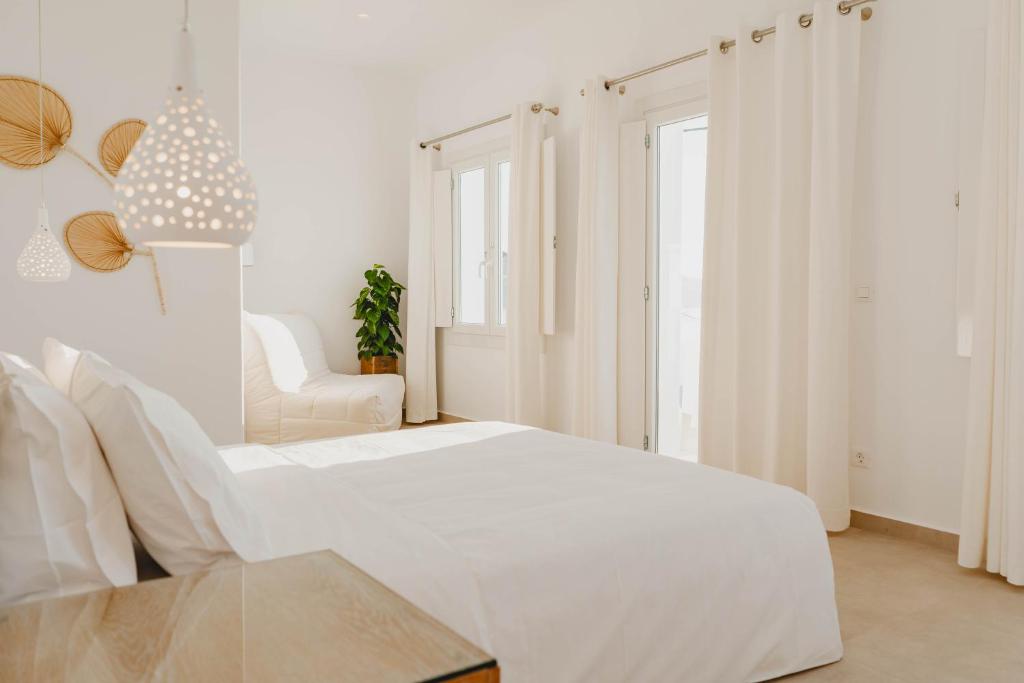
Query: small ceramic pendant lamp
x: 42, y: 259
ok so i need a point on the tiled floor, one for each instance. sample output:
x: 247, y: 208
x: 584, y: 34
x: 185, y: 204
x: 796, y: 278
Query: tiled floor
x: 908, y: 612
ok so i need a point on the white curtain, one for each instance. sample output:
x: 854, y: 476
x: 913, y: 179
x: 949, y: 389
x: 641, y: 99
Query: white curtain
x: 524, y: 343
x: 992, y: 517
x: 595, y: 337
x: 774, y: 385
x: 420, y: 334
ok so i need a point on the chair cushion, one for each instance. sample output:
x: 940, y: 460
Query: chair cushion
x: 293, y: 348
x: 370, y: 400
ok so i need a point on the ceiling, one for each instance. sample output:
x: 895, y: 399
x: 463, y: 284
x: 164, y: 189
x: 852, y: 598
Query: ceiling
x: 406, y: 35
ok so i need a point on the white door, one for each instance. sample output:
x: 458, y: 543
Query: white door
x: 677, y: 163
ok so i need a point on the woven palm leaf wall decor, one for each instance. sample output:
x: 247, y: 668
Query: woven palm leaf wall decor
x: 19, y: 125
x: 93, y: 238
x: 95, y: 241
x: 116, y: 144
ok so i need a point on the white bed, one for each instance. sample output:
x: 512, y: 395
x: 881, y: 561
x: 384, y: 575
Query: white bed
x: 567, y: 559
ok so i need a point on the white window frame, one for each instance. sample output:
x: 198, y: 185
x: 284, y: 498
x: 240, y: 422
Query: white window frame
x: 497, y: 158
x: 492, y: 268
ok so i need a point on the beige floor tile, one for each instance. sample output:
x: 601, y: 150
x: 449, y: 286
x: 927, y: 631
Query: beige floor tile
x: 909, y: 613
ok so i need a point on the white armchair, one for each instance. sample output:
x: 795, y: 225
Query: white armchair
x: 291, y: 394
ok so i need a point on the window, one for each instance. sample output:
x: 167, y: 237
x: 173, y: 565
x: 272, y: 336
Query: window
x: 472, y: 247
x: 472, y: 223
x: 481, y: 189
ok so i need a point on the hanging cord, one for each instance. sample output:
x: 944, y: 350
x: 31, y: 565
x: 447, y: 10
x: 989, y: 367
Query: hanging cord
x: 39, y: 26
x: 159, y: 283
x: 151, y: 253
x: 184, y: 26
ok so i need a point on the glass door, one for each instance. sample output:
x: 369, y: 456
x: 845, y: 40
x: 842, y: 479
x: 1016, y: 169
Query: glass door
x: 677, y: 169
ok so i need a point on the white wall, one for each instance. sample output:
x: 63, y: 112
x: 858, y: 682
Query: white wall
x: 111, y: 59
x: 908, y: 385
x: 328, y: 145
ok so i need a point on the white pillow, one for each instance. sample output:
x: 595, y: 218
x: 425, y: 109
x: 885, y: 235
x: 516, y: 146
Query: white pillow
x: 183, y: 502
x: 59, y: 363
x: 62, y: 525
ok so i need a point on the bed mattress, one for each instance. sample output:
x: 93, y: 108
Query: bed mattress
x: 567, y: 559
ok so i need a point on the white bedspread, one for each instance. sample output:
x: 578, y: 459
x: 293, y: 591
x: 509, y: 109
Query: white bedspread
x: 567, y: 559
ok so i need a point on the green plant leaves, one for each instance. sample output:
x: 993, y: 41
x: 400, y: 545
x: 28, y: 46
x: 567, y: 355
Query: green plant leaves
x: 377, y: 306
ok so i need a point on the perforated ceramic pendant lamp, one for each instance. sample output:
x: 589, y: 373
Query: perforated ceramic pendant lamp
x: 42, y: 259
x: 183, y: 184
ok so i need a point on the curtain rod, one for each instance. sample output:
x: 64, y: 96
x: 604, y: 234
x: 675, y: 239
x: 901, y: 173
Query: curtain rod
x: 535, y: 108
x: 844, y: 7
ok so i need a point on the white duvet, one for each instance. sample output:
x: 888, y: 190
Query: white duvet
x: 567, y: 559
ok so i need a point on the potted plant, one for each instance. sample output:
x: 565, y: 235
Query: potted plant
x: 377, y: 307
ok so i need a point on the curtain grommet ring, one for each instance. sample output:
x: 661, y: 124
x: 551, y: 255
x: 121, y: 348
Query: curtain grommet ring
x: 805, y: 20
x: 756, y: 36
x: 723, y: 48
x: 843, y: 8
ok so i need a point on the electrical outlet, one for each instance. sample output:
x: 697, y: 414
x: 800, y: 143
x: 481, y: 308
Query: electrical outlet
x: 860, y: 459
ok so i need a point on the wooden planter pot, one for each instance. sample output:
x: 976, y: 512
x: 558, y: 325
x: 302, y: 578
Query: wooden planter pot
x: 378, y: 365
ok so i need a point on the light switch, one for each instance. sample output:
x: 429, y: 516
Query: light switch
x: 863, y: 293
